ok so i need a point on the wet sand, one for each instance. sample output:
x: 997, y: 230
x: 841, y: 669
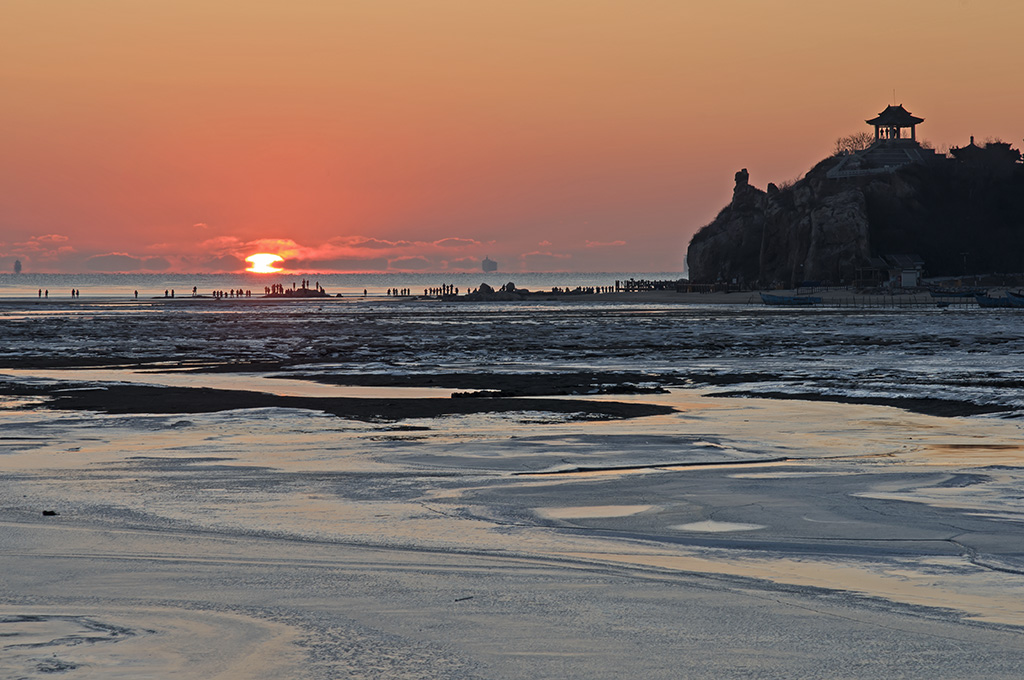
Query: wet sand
x: 257, y: 520
x: 258, y: 543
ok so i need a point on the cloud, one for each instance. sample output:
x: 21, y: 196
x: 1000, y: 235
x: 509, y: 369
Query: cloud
x: 211, y: 253
x: 50, y: 238
x: 455, y: 243
x: 544, y: 244
x: 123, y: 262
x: 201, y: 225
x: 605, y: 244
x: 224, y: 263
x: 371, y: 243
x: 221, y: 244
x: 379, y: 264
x: 540, y: 261
x: 558, y: 256
x: 45, y: 247
x: 463, y: 263
x: 352, y: 253
x: 417, y: 262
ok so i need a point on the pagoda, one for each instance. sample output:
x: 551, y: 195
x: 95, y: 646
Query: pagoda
x: 892, y: 149
x: 889, y: 124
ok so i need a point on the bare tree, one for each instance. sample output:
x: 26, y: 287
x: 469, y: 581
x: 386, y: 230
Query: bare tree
x: 858, y: 141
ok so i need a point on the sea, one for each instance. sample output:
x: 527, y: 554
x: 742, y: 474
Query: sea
x: 962, y: 360
x: 375, y: 284
x: 819, y: 483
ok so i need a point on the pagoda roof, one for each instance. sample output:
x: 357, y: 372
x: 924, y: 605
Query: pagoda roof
x: 895, y: 116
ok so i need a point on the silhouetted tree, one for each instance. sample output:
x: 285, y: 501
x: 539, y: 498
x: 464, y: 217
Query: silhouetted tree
x: 858, y: 141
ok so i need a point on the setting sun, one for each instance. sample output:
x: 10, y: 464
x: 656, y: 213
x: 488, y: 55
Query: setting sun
x: 263, y: 263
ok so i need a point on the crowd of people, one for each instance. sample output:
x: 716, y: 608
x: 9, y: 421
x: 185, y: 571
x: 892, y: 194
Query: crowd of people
x: 444, y: 289
x: 584, y: 290
x: 307, y: 288
x: 633, y: 285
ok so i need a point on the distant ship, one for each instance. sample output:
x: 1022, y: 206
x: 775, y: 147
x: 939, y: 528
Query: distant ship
x: 489, y: 265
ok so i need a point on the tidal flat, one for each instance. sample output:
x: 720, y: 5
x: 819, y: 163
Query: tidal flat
x: 419, y: 489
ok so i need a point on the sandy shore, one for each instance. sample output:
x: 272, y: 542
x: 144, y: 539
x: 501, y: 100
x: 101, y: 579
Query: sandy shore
x: 640, y: 491
x: 259, y: 543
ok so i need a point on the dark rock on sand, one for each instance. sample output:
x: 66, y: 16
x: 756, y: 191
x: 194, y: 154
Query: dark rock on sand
x: 123, y: 398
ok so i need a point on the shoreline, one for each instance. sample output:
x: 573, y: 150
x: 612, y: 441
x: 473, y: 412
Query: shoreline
x: 829, y: 299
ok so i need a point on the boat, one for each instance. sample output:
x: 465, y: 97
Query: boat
x: 986, y: 301
x: 955, y: 292
x: 1016, y: 299
x: 489, y: 265
x: 790, y: 300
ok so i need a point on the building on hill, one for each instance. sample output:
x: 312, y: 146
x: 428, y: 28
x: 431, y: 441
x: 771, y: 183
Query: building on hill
x: 997, y: 157
x: 893, y: 147
x: 889, y: 124
x: 885, y: 215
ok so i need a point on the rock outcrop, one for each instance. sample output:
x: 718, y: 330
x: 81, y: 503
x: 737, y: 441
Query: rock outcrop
x: 966, y: 211
x: 729, y: 248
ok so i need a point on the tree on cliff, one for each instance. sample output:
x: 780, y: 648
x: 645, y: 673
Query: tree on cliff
x: 858, y: 141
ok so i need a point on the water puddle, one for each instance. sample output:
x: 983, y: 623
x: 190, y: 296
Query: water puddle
x: 711, y: 526
x: 593, y: 511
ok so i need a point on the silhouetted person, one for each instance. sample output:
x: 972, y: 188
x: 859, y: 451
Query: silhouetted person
x: 40, y: 292
x: 46, y: 293
x: 136, y: 295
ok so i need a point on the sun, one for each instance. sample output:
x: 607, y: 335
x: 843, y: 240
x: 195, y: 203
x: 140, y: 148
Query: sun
x: 263, y: 263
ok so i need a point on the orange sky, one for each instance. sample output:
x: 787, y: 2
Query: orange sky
x: 551, y: 135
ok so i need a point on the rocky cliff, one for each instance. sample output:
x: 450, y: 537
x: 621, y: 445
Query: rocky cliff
x: 965, y: 212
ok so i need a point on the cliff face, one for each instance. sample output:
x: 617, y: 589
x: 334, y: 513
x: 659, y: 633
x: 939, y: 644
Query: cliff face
x: 730, y: 246
x: 825, y: 229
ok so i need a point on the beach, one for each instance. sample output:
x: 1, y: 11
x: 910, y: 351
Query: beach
x: 580, y: 489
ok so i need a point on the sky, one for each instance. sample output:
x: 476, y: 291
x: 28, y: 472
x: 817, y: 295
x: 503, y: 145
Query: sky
x: 424, y: 135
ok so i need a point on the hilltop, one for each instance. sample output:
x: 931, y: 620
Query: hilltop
x: 961, y: 213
